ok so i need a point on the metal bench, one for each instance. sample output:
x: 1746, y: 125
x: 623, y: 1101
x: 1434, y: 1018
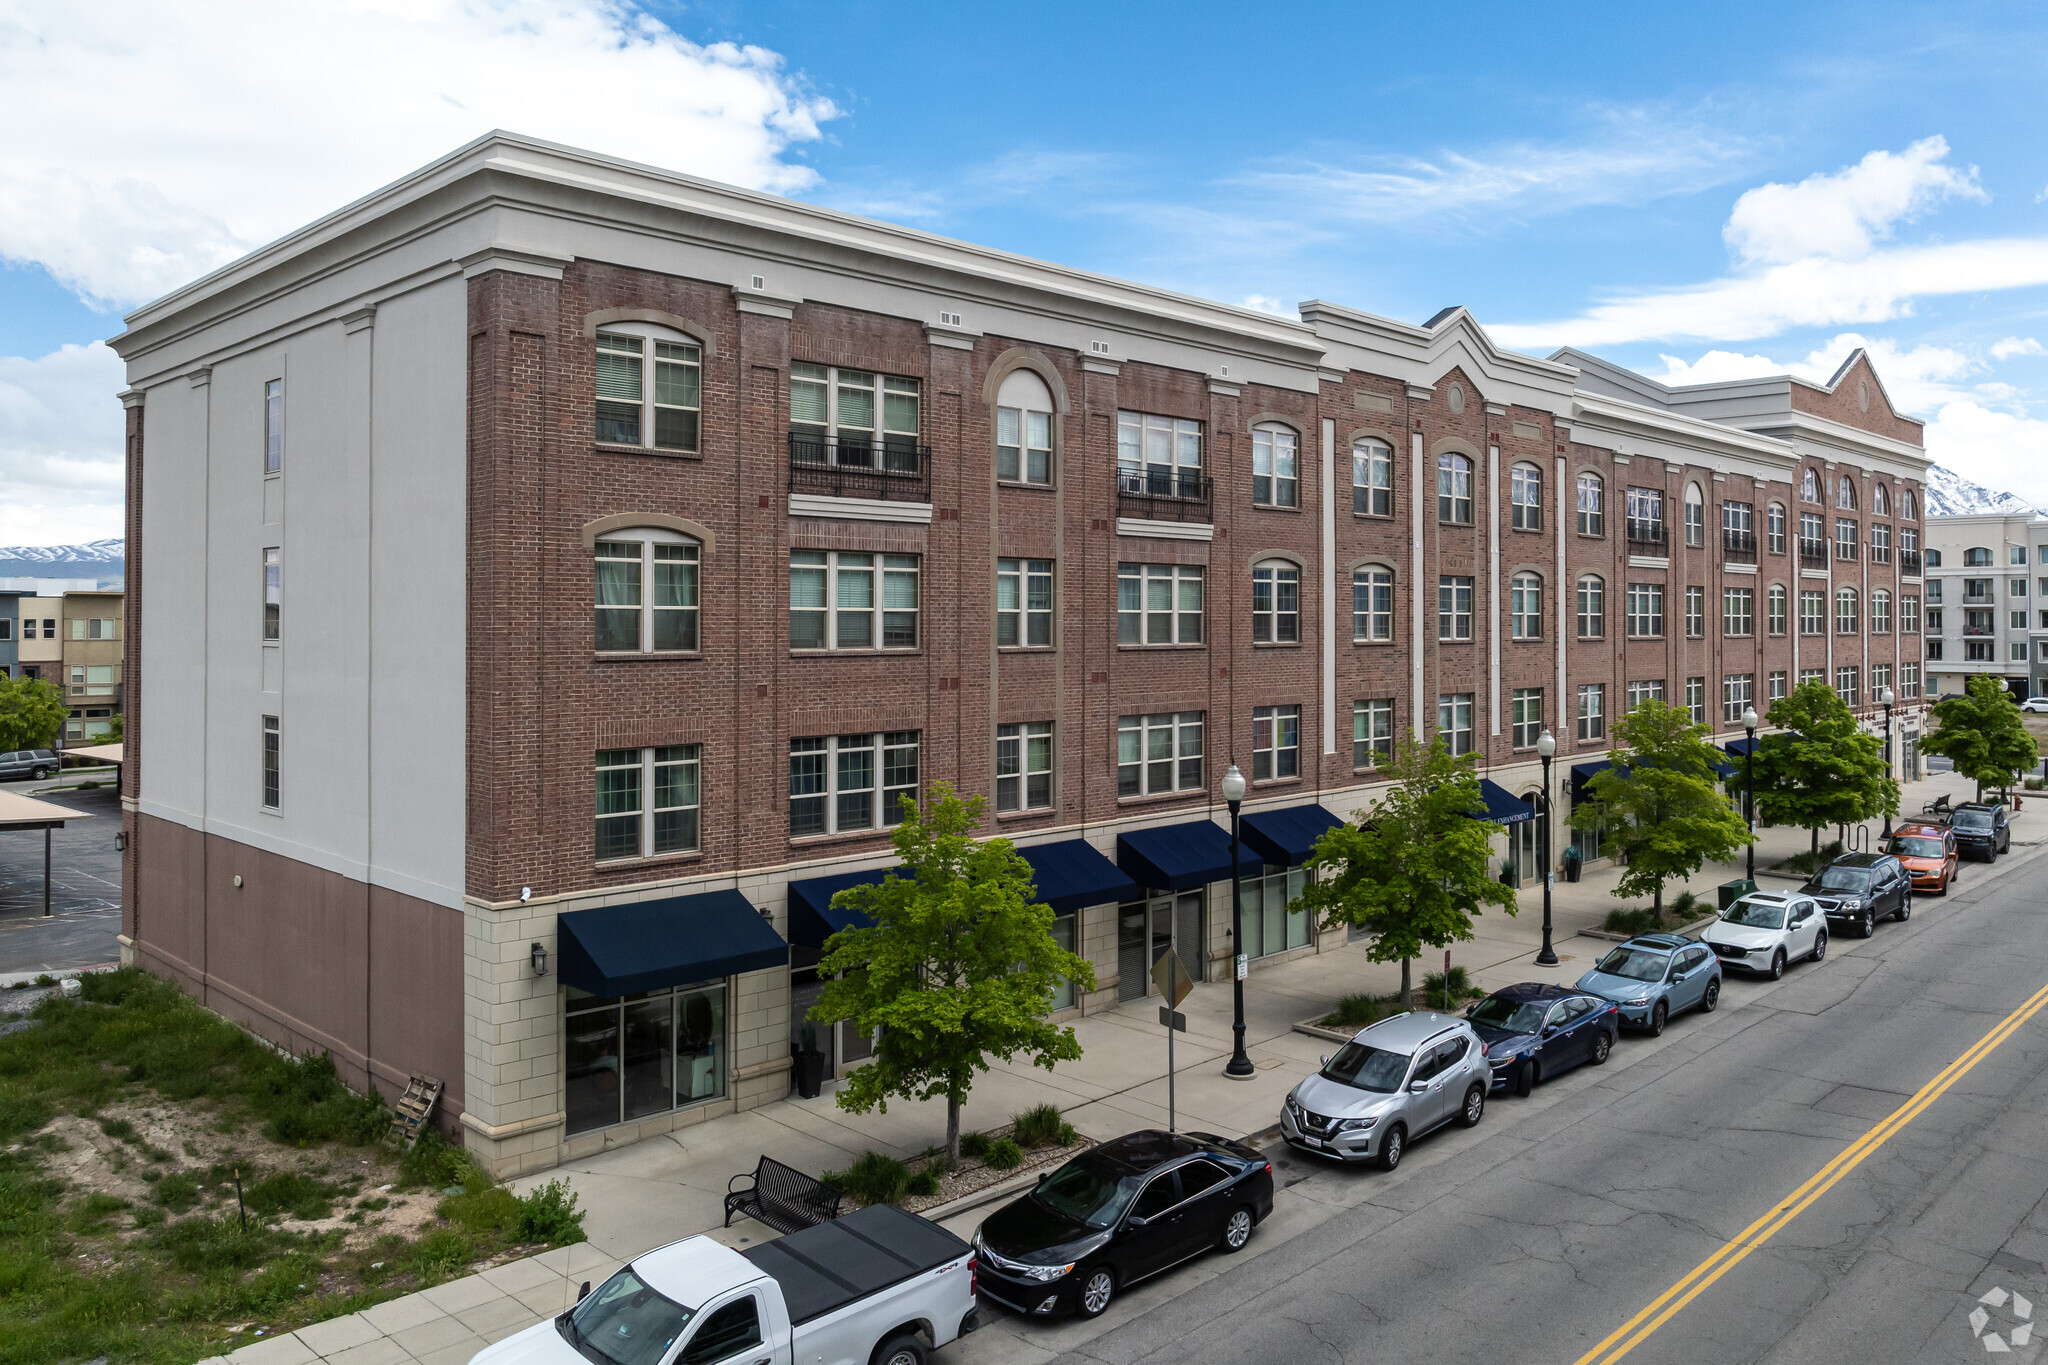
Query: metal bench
x: 785, y: 1199
x: 1938, y: 807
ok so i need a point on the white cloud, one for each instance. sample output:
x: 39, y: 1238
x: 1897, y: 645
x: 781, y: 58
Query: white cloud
x: 60, y: 446
x: 2004, y: 450
x: 1266, y: 303
x: 151, y: 143
x: 1918, y: 378
x: 1842, y: 215
x: 2012, y: 346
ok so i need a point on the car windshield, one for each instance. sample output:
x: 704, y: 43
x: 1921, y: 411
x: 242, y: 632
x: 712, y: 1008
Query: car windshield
x: 1972, y: 819
x: 1634, y: 964
x: 1368, y: 1068
x: 1756, y: 915
x: 1845, y: 879
x: 1516, y: 1016
x: 626, y: 1323
x: 1088, y: 1190
x: 1917, y: 848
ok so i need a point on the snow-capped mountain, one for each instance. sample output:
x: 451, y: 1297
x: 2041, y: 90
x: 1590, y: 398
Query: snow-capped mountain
x: 1949, y: 494
x: 102, y: 560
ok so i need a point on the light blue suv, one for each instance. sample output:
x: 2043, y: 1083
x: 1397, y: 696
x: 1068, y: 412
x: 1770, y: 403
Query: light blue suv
x: 1654, y: 976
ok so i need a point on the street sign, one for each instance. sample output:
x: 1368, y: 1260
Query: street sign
x: 1244, y: 966
x: 1173, y: 1019
x: 1171, y: 978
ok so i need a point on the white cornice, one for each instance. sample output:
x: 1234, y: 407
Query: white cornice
x: 516, y: 260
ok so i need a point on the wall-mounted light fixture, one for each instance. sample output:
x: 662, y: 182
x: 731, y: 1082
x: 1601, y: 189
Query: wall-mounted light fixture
x: 540, y: 960
x: 121, y: 841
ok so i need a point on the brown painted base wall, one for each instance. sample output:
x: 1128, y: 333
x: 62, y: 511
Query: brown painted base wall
x: 308, y: 959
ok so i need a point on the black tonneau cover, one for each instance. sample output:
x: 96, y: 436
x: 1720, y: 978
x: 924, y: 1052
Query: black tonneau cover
x: 829, y: 1266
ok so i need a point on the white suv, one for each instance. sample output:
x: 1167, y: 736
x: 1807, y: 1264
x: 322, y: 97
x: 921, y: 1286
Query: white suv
x: 1389, y: 1085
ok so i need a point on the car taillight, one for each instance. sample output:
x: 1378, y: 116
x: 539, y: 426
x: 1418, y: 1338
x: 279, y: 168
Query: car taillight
x: 1269, y: 1168
x: 973, y: 1276
x: 1484, y: 1050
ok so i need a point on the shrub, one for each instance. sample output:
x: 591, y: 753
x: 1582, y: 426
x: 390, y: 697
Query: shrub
x: 550, y: 1215
x: 485, y: 1210
x: 873, y: 1178
x: 120, y: 1130
x: 441, y: 1252
x: 290, y: 1192
x: 1004, y: 1155
x: 974, y: 1146
x: 20, y: 1113
x: 437, y: 1163
x: 176, y: 1192
x: 1356, y: 1011
x: 202, y: 1244
x: 923, y: 1184
x: 1459, y: 981
x: 1042, y: 1126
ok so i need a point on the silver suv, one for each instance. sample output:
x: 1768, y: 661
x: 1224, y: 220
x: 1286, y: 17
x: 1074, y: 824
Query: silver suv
x: 35, y: 763
x: 1389, y: 1085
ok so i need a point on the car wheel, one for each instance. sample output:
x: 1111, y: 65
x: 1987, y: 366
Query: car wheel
x: 1820, y: 946
x: 1866, y: 926
x: 1525, y: 1079
x: 1711, y: 1001
x: 900, y: 1351
x: 1602, y: 1045
x: 40, y: 773
x: 1237, y: 1230
x: 1096, y: 1292
x: 1392, y: 1146
x: 1905, y: 907
x: 1475, y: 1107
x: 1658, y: 1015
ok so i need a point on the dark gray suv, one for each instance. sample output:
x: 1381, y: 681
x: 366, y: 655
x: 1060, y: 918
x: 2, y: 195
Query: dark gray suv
x: 19, y: 763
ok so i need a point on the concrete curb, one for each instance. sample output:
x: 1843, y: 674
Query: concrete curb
x: 1693, y: 930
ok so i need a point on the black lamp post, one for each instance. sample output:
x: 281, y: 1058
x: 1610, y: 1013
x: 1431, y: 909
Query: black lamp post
x: 1546, y: 746
x: 1885, y: 699
x: 1240, y: 1066
x: 1749, y: 719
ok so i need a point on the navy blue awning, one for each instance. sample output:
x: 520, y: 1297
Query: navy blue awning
x: 643, y: 946
x: 1071, y: 874
x: 1739, y: 747
x: 1176, y: 857
x: 812, y: 919
x: 1502, y: 806
x: 1286, y: 837
x: 1582, y: 778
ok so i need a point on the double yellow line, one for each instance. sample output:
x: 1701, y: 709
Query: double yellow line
x: 1632, y: 1333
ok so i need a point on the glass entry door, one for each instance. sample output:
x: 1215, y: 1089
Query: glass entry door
x: 1145, y: 930
x: 1522, y: 850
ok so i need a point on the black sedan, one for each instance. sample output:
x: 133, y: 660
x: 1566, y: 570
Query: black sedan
x: 1535, y: 1030
x: 1117, y: 1214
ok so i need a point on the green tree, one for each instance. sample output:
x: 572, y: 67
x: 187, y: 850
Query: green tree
x: 1983, y: 734
x: 959, y: 966
x: 31, y: 713
x: 113, y: 734
x: 1819, y: 768
x: 1660, y: 803
x: 1414, y: 869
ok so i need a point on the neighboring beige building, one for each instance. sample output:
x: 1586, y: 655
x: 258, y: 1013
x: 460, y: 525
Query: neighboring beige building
x: 42, y: 651
x: 90, y: 645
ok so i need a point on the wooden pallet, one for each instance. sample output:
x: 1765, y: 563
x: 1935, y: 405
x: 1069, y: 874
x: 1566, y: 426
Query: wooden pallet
x: 413, y: 1109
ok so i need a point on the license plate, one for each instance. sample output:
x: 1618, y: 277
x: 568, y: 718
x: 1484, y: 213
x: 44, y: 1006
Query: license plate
x: 1308, y: 1141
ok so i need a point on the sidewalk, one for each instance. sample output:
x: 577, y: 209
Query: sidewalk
x: 664, y: 1188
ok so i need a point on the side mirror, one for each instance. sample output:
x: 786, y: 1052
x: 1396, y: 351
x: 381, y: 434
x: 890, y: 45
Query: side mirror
x: 584, y: 1292
x: 1325, y: 1059
x: 1137, y: 1222
x: 1549, y: 1030
x: 1419, y: 1088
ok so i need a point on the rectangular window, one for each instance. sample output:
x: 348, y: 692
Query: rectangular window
x: 1776, y: 601
x: 1934, y: 621
x: 1776, y: 683
x: 1024, y: 767
x: 1646, y: 516
x: 1158, y: 754
x: 1880, y: 544
x: 6, y: 628
x: 1023, y: 445
x: 1909, y: 680
x: 1276, y: 742
x: 1645, y: 609
x: 1695, y: 612
x: 1158, y: 456
x: 833, y: 603
x: 1372, y: 479
x: 1592, y: 711
x: 1696, y: 700
x: 1276, y: 604
x: 1372, y: 732
x: 2018, y: 651
x: 627, y: 413
x: 1807, y: 675
x: 646, y: 596
x: 855, y: 417
x: 1592, y: 609
x: 1845, y: 684
x: 1267, y: 910
x: 1648, y: 689
x: 1880, y: 679
x: 1976, y: 651
x: 1023, y: 603
x: 1453, y: 608
x: 273, y: 593
x: 1275, y: 479
x: 1813, y: 612
x: 2016, y: 587
x: 1774, y: 527
x: 1845, y: 611
x: 1592, y: 506
x: 1845, y: 538
x: 833, y: 786
x: 1738, y: 611
x: 643, y: 1055
x: 1372, y: 604
x: 1158, y: 604
x: 1454, y: 721
x: 1525, y: 498
x: 1933, y: 591
x: 270, y: 763
x: 86, y: 628
x: 1881, y: 613
x: 273, y: 427
x: 1525, y: 709
x: 1695, y: 521
x: 1738, y: 693
x: 1525, y: 607
x: 631, y: 826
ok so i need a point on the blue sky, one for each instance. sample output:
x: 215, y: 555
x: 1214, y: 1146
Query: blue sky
x: 1727, y: 189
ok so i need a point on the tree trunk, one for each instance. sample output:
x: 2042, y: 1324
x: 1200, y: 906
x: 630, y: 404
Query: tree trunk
x: 1657, y: 906
x: 1405, y: 987
x: 1813, y: 845
x: 953, y: 1130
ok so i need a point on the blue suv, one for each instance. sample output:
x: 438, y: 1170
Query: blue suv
x: 1654, y: 976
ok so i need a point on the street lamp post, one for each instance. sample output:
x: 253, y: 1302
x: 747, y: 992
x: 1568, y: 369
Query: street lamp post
x: 1749, y: 719
x: 1546, y: 746
x: 1240, y: 1066
x: 1885, y: 699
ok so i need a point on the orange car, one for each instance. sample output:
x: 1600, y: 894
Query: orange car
x: 1929, y: 853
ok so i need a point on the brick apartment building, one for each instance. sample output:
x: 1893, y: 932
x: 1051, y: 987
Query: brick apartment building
x: 546, y: 571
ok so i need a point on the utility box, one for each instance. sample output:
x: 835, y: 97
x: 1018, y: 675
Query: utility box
x: 1734, y: 891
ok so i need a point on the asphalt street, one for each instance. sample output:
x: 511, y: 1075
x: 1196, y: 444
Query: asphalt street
x: 85, y: 899
x: 1545, y: 1233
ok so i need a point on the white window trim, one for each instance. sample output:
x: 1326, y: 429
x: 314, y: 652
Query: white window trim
x: 881, y: 569
x: 1020, y: 734
x: 1176, y: 722
x: 1372, y: 614
x: 1273, y: 749
x: 1267, y: 438
x: 1276, y: 572
x: 646, y: 538
x: 1023, y: 572
x: 883, y: 804
x: 649, y: 333
x: 648, y: 765
x: 1176, y: 575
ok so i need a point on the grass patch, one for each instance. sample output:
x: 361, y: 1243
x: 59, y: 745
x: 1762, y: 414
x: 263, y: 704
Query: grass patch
x: 1357, y: 1011
x: 1042, y: 1126
x: 1684, y: 909
x: 873, y: 1178
x: 1807, y: 863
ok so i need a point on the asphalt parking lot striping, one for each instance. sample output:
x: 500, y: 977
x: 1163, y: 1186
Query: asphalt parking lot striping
x: 1667, y: 1305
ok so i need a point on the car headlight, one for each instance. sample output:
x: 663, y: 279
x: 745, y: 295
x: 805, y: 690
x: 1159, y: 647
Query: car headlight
x: 1355, y: 1125
x: 1046, y: 1273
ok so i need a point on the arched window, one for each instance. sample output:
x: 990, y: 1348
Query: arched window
x: 1880, y: 502
x: 1372, y: 478
x: 1906, y: 507
x: 1845, y: 611
x: 1809, y: 487
x: 1275, y: 476
x: 1276, y: 603
x: 1933, y: 560
x: 1880, y: 611
x: 1845, y: 494
x: 1695, y: 516
x: 1592, y: 505
x: 1977, y: 557
x: 646, y: 591
x: 1592, y: 608
x: 1372, y: 602
x: 1454, y: 488
x: 1525, y: 497
x: 1774, y: 527
x: 1525, y: 607
x: 631, y: 411
x: 1024, y: 429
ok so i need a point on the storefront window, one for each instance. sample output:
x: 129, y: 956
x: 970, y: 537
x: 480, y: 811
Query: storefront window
x: 1063, y: 934
x: 643, y: 1054
x: 1273, y: 922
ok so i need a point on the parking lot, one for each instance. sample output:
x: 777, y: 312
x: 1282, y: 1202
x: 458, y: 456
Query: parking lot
x: 85, y: 892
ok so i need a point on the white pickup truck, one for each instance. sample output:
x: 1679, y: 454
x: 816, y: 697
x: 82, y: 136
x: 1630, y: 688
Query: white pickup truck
x: 877, y: 1287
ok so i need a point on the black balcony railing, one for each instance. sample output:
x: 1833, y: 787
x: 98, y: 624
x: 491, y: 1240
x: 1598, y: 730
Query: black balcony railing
x: 1158, y: 493
x: 1978, y: 632
x: 859, y: 467
x: 1648, y: 537
x: 1813, y: 554
x: 1909, y: 562
x: 1738, y: 547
